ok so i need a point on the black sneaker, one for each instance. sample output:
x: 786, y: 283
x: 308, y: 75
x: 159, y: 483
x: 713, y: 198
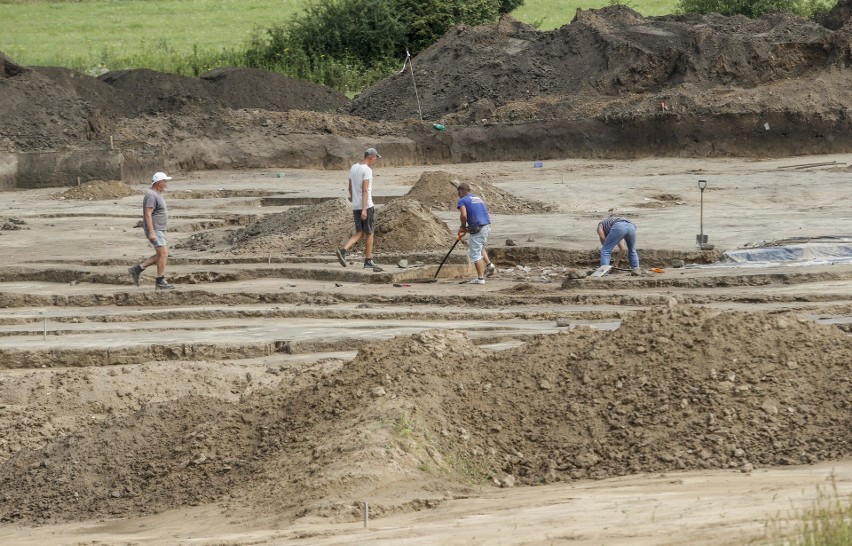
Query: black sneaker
x: 490, y: 269
x: 163, y: 284
x: 341, y: 256
x: 369, y: 264
x: 136, y: 273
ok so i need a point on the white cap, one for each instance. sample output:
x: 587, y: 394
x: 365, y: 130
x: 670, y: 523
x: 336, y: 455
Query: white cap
x: 158, y: 177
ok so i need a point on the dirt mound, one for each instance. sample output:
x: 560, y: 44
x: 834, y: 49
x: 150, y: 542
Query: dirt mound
x: 47, y: 108
x: 98, y: 189
x: 8, y: 67
x: 437, y: 190
x: 101, y: 97
x: 610, y: 84
x: 403, y: 225
x: 37, y: 114
x: 837, y: 17
x: 255, y: 88
x: 673, y: 388
x: 233, y: 88
x: 160, y: 92
x: 613, y: 51
x: 310, y: 229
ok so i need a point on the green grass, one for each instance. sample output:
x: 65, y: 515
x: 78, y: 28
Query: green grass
x: 185, y: 36
x: 141, y: 33
x: 827, y: 522
x: 550, y: 14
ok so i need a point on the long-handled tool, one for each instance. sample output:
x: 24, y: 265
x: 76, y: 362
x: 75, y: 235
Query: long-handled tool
x: 440, y: 265
x: 701, y: 239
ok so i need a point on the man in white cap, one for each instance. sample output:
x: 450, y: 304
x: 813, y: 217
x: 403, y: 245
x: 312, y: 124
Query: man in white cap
x: 154, y: 222
x: 363, y: 209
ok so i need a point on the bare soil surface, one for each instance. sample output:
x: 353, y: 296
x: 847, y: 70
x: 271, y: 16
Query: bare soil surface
x: 274, y: 391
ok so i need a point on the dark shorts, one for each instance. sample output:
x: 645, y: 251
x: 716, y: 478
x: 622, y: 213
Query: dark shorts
x: 368, y: 225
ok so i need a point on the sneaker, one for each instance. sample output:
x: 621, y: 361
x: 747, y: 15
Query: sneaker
x: 341, y: 256
x: 163, y: 285
x: 636, y: 272
x: 476, y: 281
x: 136, y: 273
x: 369, y: 264
x: 490, y: 270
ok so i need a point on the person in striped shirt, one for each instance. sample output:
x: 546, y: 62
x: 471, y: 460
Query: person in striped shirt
x: 618, y: 232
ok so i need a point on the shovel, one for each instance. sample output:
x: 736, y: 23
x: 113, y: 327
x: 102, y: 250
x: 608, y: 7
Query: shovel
x: 440, y: 265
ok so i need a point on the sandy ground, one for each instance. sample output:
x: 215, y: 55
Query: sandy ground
x: 702, y: 508
x: 65, y: 286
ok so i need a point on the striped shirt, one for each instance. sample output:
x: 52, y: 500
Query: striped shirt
x: 607, y: 223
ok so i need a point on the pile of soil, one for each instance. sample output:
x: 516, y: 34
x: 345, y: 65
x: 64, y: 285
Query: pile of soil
x: 98, y: 189
x: 612, y: 83
x: 837, y: 16
x: 674, y: 388
x: 240, y: 88
x: 310, y: 229
x: 612, y: 52
x: 46, y: 108
x: 437, y: 190
x: 37, y: 114
x: 403, y: 225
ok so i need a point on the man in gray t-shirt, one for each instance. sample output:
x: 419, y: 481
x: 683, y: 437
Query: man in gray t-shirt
x: 155, y: 218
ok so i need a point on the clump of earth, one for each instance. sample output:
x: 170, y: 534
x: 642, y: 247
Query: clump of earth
x: 98, y: 189
x: 674, y: 388
x: 437, y: 190
x: 403, y: 225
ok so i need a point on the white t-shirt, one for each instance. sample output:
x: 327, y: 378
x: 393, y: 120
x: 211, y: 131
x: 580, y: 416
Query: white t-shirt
x: 359, y: 175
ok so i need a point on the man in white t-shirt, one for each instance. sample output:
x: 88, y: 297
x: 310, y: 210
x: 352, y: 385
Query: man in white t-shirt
x: 363, y: 209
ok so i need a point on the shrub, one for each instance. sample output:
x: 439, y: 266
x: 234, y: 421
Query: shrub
x: 352, y: 43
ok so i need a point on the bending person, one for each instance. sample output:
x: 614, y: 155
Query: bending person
x: 618, y: 232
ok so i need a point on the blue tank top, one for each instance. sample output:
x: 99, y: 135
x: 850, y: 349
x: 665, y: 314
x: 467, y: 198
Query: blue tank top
x: 477, y: 212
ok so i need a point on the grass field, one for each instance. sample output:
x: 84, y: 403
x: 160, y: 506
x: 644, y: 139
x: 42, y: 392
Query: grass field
x: 95, y: 35
x: 549, y: 14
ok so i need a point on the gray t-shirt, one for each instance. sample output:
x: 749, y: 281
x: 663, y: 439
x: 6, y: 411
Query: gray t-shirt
x: 154, y: 200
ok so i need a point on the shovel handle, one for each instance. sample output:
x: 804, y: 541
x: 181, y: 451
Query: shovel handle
x: 440, y: 265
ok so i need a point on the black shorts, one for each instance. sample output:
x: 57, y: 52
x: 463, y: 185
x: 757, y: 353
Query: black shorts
x: 368, y: 225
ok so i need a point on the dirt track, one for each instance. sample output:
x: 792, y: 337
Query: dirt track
x: 281, y: 389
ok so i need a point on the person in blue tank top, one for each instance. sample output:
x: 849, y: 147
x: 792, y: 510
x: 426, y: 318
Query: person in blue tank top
x: 476, y: 222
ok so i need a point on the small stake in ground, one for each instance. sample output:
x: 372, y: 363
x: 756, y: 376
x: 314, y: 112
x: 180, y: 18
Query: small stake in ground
x: 366, y: 514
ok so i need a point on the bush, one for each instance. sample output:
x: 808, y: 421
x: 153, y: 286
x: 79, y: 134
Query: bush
x: 425, y: 21
x: 508, y: 6
x: 352, y: 43
x: 754, y: 8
